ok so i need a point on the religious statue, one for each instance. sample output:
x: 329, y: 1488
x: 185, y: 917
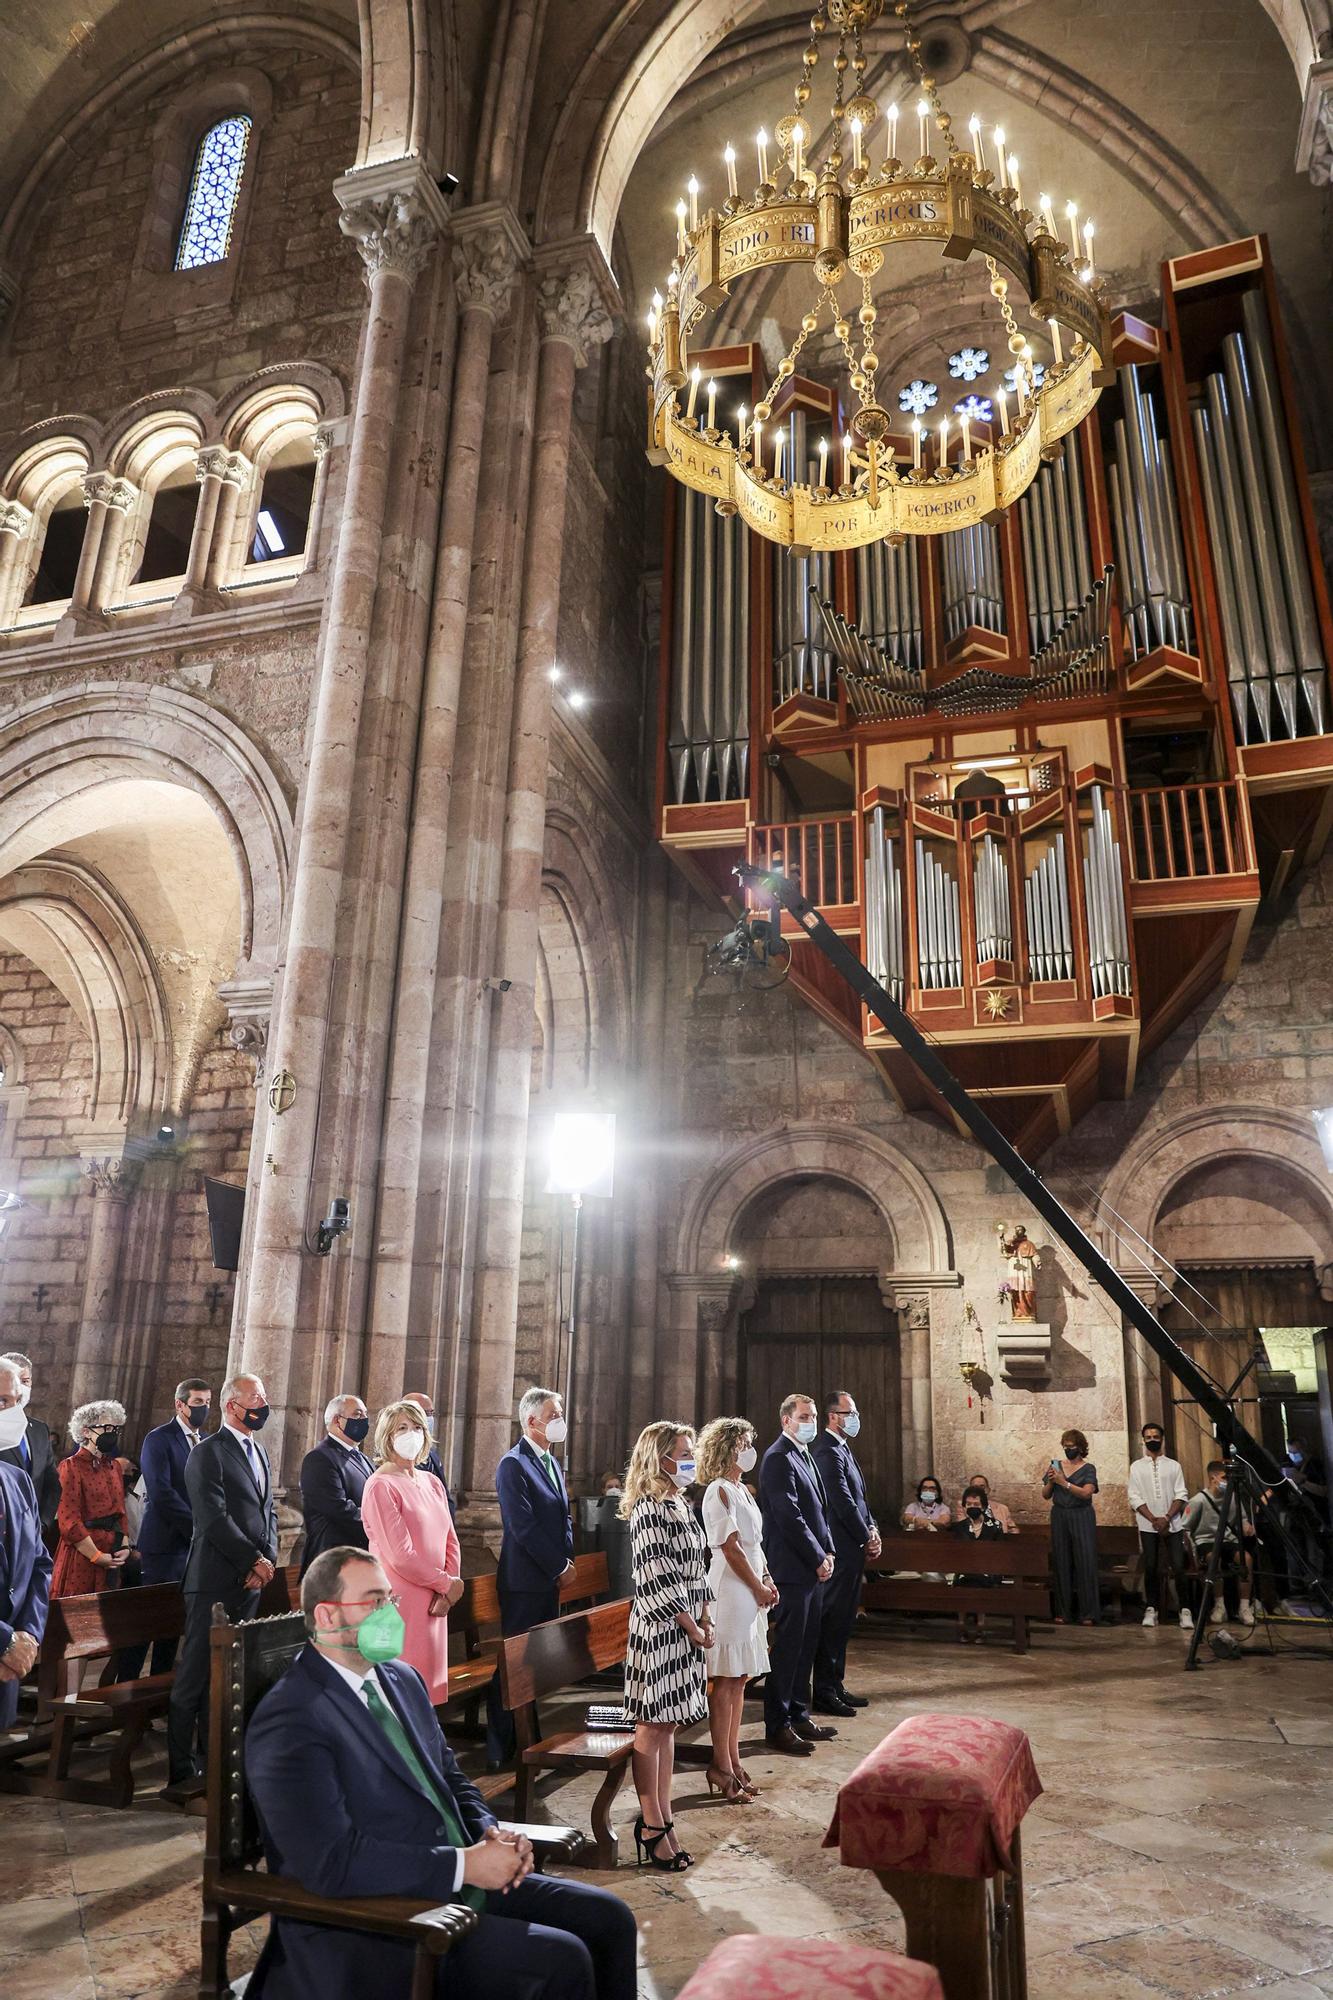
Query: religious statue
x: 1020, y: 1287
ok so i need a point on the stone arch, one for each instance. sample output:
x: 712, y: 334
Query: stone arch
x: 408, y: 83
x: 59, y: 745
x: 918, y: 1229
x: 573, y: 873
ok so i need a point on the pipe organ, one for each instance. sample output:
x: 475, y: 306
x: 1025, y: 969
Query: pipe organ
x: 1042, y: 768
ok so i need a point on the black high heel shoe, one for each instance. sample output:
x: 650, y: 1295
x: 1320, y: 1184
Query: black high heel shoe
x: 647, y: 1839
x: 681, y: 1859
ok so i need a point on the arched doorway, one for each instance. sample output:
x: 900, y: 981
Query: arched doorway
x: 818, y: 1321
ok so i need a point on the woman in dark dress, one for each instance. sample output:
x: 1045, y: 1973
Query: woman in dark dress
x: 1069, y: 1483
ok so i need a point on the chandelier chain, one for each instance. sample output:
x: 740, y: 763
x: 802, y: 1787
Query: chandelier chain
x: 929, y: 87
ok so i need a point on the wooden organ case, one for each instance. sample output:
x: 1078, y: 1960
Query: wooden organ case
x: 1044, y: 770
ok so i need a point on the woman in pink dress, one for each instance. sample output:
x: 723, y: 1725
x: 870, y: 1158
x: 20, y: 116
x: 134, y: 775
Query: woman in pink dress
x: 405, y: 1513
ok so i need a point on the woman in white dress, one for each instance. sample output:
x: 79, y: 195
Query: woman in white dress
x: 743, y: 1590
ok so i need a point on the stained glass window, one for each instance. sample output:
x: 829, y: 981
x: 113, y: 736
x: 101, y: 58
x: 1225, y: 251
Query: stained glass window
x: 211, y: 209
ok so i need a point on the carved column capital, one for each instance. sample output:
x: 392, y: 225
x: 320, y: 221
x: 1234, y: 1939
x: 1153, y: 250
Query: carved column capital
x: 486, y: 268
x: 395, y: 215
x: 237, y: 470
x: 110, y: 1176
x: 119, y: 495
x: 15, y: 518
x: 571, y: 308
x: 211, y: 462
x: 249, y: 1003
x: 1314, y: 145
x: 322, y: 441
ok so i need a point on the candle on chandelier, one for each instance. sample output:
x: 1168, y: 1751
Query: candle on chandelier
x: 978, y: 142
x: 693, y: 396
x: 892, y: 119
x: 741, y: 415
x: 847, y: 458
x: 778, y: 444
x: 1055, y: 342
x: 757, y: 437
x: 1071, y: 215
x: 823, y: 464
x: 730, y: 157
x: 856, y: 143
x: 692, y: 189
x: 916, y: 444
x: 998, y: 136
x: 712, y: 403
x: 967, y: 438
x: 944, y: 442
x: 681, y: 244
x: 922, y: 113
x: 1087, y: 244
x: 1003, y: 401
x: 1014, y: 180
x: 797, y: 150
x: 1047, y: 214
x: 761, y: 144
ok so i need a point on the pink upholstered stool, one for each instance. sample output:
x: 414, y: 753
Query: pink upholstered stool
x: 935, y: 1811
x: 782, y: 1968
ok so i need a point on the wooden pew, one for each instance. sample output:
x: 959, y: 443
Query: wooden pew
x: 474, y: 1624
x: 1117, y: 1555
x: 1021, y: 1560
x: 97, y: 1627
x: 555, y: 1657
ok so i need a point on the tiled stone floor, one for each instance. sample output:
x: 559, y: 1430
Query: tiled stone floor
x: 1183, y: 1848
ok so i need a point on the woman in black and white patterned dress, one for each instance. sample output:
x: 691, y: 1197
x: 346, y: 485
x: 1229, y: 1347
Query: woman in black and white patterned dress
x: 670, y: 1626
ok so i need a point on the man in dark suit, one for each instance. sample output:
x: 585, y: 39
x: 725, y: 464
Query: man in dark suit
x: 537, y: 1545
x: 333, y: 1477
x: 432, y: 1462
x: 168, y: 1523
x: 25, y: 1565
x: 233, y: 1554
x: 359, y: 1795
x: 34, y: 1453
x: 855, y: 1537
x: 799, y: 1545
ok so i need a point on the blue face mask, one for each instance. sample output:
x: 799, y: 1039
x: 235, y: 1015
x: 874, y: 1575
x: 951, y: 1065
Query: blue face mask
x: 851, y: 1425
x: 805, y: 1432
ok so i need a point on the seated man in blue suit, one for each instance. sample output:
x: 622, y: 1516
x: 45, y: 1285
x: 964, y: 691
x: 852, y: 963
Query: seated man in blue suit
x: 359, y: 1795
x: 538, y: 1541
x: 855, y: 1540
x: 25, y: 1566
x: 799, y: 1545
x: 333, y: 1478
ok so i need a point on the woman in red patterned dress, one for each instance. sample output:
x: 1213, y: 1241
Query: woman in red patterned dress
x: 91, y: 1515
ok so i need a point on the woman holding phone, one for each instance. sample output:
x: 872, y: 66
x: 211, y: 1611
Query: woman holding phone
x: 1069, y: 1483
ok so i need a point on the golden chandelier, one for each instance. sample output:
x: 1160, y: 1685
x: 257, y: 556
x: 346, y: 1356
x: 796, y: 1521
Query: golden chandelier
x: 842, y: 218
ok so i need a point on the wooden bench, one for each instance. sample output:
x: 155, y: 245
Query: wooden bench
x: 1118, y: 1553
x: 544, y: 1661
x: 245, y: 1662
x: 475, y: 1623
x: 97, y: 1627
x: 1021, y: 1561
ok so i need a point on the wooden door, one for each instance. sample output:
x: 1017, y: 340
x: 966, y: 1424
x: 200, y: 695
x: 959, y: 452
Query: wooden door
x: 815, y: 1335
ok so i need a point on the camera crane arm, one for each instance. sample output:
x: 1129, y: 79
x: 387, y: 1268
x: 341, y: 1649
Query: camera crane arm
x: 1232, y: 1434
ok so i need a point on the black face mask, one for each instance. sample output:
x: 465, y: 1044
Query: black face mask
x: 255, y: 1420
x: 1155, y: 1444
x: 197, y: 1416
x: 975, y: 1513
x: 356, y: 1428
x: 108, y: 1443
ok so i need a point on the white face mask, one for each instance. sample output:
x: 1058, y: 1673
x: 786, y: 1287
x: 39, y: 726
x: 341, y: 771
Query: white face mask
x: 747, y: 1459
x: 407, y: 1444
x: 684, y: 1473
x: 851, y: 1425
x: 25, y: 1391
x: 557, y: 1431
x: 13, y: 1427
x: 805, y: 1432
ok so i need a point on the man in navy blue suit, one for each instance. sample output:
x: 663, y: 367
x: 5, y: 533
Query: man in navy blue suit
x: 359, y: 1795
x: 799, y: 1545
x: 538, y: 1541
x: 168, y: 1522
x: 333, y: 1478
x: 25, y: 1566
x: 855, y: 1537
x: 34, y: 1452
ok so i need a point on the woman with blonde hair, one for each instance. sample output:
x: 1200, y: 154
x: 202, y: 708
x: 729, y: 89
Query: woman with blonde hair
x: 670, y: 1627
x: 743, y: 1590
x: 405, y: 1513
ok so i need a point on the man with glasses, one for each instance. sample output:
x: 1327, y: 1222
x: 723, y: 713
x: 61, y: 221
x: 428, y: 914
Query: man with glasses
x: 358, y: 1794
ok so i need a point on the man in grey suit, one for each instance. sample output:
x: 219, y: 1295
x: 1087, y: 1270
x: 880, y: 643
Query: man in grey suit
x: 233, y: 1554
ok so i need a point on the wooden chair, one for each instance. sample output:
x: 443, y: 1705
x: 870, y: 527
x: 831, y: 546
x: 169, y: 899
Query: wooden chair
x: 246, y: 1661
x: 555, y: 1657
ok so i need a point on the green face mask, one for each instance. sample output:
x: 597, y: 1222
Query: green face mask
x: 379, y: 1636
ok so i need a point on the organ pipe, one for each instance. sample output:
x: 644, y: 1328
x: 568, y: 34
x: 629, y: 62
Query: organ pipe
x: 1057, y: 564
x: 1147, y: 526
x: 973, y: 580
x: 884, y: 904
x: 1104, y: 888
x: 708, y: 733
x: 802, y: 662
x: 888, y: 595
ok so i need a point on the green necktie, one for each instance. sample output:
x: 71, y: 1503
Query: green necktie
x: 433, y: 1789
x: 549, y: 1463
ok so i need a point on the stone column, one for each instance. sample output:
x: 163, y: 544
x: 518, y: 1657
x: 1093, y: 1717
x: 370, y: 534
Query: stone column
x: 15, y: 523
x: 916, y: 1419
x: 110, y: 1183
x: 487, y: 256
x: 395, y: 215
x: 233, y: 478
x: 210, y: 467
x: 117, y: 498
x: 97, y: 491
x: 1145, y: 1393
x: 573, y: 316
x: 321, y: 444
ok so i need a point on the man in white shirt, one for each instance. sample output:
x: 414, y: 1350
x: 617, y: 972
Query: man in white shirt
x: 1159, y: 1497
